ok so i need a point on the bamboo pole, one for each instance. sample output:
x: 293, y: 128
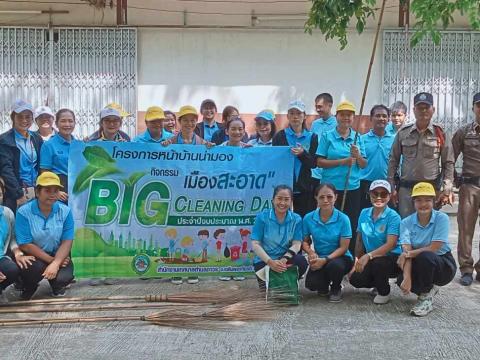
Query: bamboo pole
x: 364, y: 95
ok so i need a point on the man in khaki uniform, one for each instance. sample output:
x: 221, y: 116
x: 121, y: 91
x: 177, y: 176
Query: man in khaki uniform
x: 467, y: 141
x: 426, y: 155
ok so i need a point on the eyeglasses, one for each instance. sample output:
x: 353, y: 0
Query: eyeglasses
x: 379, y: 194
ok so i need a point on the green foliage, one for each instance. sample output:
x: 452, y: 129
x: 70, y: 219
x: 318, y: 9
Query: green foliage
x: 333, y: 17
x: 100, y: 164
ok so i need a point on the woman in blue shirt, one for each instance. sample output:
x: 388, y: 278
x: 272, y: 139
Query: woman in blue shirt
x: 303, y: 145
x: 54, y: 153
x: 336, y: 153
x: 426, y: 261
x: 265, y: 128
x: 277, y: 236
x: 329, y: 231
x: 376, y: 247
x: 44, y: 228
x: 9, y: 270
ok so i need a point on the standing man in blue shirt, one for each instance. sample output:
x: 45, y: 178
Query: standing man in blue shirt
x: 325, y: 122
x: 155, y: 133
x: 378, y: 143
x: 20, y: 156
x: 208, y: 126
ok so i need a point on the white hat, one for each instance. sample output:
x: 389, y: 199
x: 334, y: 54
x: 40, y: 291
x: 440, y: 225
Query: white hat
x: 21, y: 105
x: 109, y: 112
x: 381, y: 183
x: 43, y: 110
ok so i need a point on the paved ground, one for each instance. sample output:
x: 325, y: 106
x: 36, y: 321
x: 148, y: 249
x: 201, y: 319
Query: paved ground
x: 316, y: 329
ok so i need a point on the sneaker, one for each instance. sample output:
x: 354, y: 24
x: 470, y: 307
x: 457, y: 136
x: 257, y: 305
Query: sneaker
x: 381, y: 299
x: 423, y: 307
x: 176, y: 280
x: 466, y: 279
x: 95, y: 282
x: 335, y: 296
x: 373, y: 292
x: 239, y: 278
x: 224, y: 278
x: 433, y: 291
x: 109, y: 281
x: 192, y: 280
x: 59, y: 292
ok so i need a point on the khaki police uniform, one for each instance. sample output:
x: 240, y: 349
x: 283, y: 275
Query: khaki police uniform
x: 467, y: 141
x: 425, y: 157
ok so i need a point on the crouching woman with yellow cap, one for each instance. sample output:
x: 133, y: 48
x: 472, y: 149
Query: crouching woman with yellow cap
x: 44, y: 229
x: 426, y: 261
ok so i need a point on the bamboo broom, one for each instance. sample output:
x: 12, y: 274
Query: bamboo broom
x: 226, y: 316
x: 195, y: 297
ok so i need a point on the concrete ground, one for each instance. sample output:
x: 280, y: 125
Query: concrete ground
x: 355, y: 328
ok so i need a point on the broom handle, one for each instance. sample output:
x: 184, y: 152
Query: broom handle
x: 364, y: 95
x: 49, y: 309
x: 40, y: 321
x: 72, y: 299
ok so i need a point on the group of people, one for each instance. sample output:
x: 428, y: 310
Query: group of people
x: 346, y: 192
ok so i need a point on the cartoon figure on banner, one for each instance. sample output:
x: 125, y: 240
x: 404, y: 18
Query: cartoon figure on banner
x: 219, y: 236
x: 203, y: 237
x: 171, y: 235
x: 245, y: 236
x: 186, y: 243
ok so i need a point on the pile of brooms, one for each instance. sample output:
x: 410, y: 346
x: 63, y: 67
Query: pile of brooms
x: 212, y: 309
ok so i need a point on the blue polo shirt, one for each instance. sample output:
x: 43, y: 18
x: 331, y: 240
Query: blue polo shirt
x: 320, y: 126
x: 28, y: 159
x: 258, y: 142
x: 326, y: 236
x: 145, y: 137
x: 418, y: 236
x: 5, y: 229
x: 209, y: 130
x: 377, y: 149
x: 54, y: 155
x: 32, y: 227
x: 304, y: 139
x: 375, y: 232
x: 276, y: 238
x: 333, y: 147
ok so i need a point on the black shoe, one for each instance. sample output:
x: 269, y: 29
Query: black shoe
x: 335, y: 296
x: 466, y: 279
x: 58, y: 292
x: 27, y: 294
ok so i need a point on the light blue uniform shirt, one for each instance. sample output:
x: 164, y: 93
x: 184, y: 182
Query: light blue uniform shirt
x: 333, y: 147
x: 276, y: 238
x: 375, y: 232
x: 326, y: 236
x: 54, y: 155
x: 319, y: 126
x: 209, y: 130
x: 28, y: 159
x: 5, y: 228
x: 145, y: 137
x: 31, y: 226
x: 377, y: 150
x: 418, y: 236
x: 258, y: 142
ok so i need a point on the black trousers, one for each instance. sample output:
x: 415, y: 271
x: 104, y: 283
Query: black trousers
x: 303, y: 203
x: 33, y: 275
x: 298, y: 260
x: 330, y: 275
x: 10, y: 270
x: 352, y: 210
x: 430, y: 269
x: 365, y: 194
x: 376, y: 274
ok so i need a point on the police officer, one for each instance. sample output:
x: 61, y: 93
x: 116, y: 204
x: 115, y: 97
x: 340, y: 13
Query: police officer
x: 466, y: 140
x: 427, y: 156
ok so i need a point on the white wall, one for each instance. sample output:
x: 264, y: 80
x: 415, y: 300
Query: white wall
x: 253, y: 69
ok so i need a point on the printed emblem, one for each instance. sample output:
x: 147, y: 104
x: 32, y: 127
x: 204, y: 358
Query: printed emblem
x: 423, y: 97
x: 141, y: 263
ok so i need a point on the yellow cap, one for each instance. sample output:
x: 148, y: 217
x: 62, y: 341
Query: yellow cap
x: 346, y: 105
x: 187, y: 109
x: 423, y: 189
x: 48, y: 178
x: 119, y: 108
x: 154, y: 113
